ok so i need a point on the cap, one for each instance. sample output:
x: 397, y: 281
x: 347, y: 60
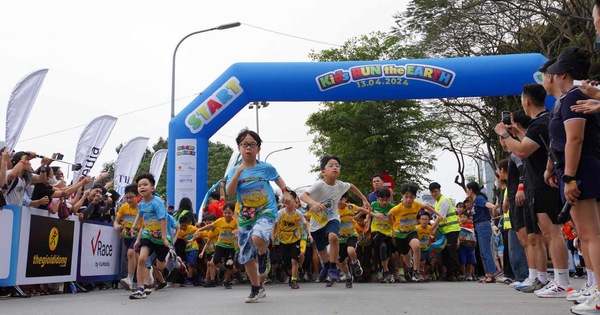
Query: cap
x: 17, y: 157
x: 546, y: 64
x: 574, y: 61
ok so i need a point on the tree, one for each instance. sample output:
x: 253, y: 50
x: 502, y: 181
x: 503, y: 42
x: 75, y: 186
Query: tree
x: 376, y: 136
x: 445, y: 28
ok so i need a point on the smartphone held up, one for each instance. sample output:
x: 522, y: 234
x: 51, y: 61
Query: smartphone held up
x: 506, y: 118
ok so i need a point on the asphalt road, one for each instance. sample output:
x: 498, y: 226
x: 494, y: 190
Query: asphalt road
x: 454, y: 298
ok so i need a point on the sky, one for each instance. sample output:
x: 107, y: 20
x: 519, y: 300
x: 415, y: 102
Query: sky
x: 115, y: 58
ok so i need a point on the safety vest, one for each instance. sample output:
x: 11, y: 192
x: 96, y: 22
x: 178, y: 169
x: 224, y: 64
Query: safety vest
x: 451, y: 223
x: 507, y: 225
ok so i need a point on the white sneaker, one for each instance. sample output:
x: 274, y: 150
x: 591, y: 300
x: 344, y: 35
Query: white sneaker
x: 589, y: 293
x: 126, y: 283
x: 514, y: 284
x: 555, y: 291
x: 547, y: 286
x: 591, y: 306
x: 573, y: 296
x: 526, y: 283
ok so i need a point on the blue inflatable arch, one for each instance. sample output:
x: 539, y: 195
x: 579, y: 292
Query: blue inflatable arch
x: 243, y: 83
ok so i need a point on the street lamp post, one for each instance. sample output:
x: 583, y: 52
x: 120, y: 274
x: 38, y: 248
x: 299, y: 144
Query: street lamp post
x: 220, y: 27
x: 258, y: 105
x: 276, y: 151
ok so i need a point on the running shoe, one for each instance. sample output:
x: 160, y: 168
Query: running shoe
x: 591, y: 306
x: 253, y: 297
x: 555, y: 291
x: 349, y: 280
x: 138, y: 294
x: 264, y: 264
x: 525, y: 284
x: 536, y: 285
x: 294, y: 284
x: 262, y: 293
x: 585, y: 295
x: 126, y: 283
x: 333, y: 277
x: 227, y: 284
x: 387, y: 278
x: 417, y: 277
x: 357, y: 269
x: 573, y: 296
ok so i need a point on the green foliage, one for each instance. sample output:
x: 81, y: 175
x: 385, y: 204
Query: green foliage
x: 218, y: 157
x: 376, y: 136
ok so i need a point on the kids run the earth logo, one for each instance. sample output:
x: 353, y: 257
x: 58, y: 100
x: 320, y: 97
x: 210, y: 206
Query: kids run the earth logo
x: 372, y: 75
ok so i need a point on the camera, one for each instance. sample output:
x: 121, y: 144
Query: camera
x: 506, y: 118
x: 59, y: 157
x: 75, y: 167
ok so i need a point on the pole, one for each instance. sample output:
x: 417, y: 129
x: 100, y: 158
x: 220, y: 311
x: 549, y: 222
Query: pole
x: 276, y: 151
x: 220, y: 27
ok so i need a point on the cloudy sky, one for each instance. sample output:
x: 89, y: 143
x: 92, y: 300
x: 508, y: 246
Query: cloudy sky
x: 114, y: 58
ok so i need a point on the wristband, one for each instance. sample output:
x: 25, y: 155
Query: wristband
x: 521, y: 188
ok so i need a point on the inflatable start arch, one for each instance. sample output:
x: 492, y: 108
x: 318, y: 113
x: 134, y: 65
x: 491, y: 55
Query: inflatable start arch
x: 243, y: 83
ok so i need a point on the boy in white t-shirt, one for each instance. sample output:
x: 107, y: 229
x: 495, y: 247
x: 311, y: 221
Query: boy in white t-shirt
x: 323, y: 197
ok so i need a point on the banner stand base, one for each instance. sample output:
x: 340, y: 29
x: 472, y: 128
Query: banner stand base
x: 17, y: 292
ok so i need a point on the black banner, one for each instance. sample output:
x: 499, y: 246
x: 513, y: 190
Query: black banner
x: 50, y: 247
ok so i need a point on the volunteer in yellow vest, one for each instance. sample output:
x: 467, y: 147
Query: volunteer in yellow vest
x: 448, y: 224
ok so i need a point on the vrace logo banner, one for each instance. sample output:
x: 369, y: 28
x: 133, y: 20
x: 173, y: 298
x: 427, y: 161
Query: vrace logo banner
x: 372, y: 75
x: 50, y: 247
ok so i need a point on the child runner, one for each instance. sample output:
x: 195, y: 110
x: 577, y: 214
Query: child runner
x: 287, y: 229
x: 403, y: 218
x: 348, y: 239
x: 466, y: 251
x: 210, y: 239
x: 123, y: 223
x: 364, y: 249
x: 186, y: 233
x: 154, y: 234
x: 323, y: 197
x: 226, y: 229
x: 258, y: 208
x: 381, y: 231
x: 424, y: 234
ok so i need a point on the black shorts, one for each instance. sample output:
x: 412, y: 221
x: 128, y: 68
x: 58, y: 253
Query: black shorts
x: 290, y: 252
x: 364, y: 254
x: 530, y: 220
x: 160, y: 249
x: 403, y: 244
x: 350, y: 242
x: 380, y: 239
x: 545, y: 201
x: 129, y: 242
x: 517, y: 216
x: 222, y: 254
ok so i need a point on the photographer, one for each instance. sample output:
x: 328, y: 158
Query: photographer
x: 54, y: 193
x: 21, y: 175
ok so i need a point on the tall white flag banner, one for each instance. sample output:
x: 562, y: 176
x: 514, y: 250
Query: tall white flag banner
x: 20, y: 104
x: 128, y: 162
x: 92, y: 140
x: 157, y: 163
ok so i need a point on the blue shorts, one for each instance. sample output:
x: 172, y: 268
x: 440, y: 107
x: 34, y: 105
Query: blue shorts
x: 321, y: 236
x: 191, y: 257
x: 262, y: 228
x: 426, y: 257
x: 467, y: 255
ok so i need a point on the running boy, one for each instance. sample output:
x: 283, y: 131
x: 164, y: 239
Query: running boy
x: 154, y: 236
x: 424, y: 234
x: 381, y: 231
x: 348, y: 239
x: 124, y: 223
x: 323, y: 197
x: 186, y: 233
x: 403, y: 218
x: 288, y: 229
x: 226, y: 228
x: 258, y: 208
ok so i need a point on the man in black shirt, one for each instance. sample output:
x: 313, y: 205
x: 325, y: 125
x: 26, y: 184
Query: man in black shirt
x: 543, y: 201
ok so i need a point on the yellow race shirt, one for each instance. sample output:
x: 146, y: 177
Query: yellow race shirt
x: 381, y: 225
x: 187, y: 235
x: 128, y: 214
x: 225, y: 231
x: 347, y: 222
x: 424, y: 235
x: 405, y: 219
x: 289, y: 227
x: 210, y: 237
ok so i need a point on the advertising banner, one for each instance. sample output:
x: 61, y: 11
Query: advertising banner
x: 99, y: 258
x: 47, y: 247
x: 10, y: 220
x: 185, y: 172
